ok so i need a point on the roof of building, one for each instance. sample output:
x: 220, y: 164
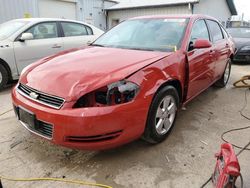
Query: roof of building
x: 128, y: 4
x: 131, y: 4
x: 113, y: 1
x: 232, y: 7
x: 173, y: 16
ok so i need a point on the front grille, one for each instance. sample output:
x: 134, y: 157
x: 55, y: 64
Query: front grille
x: 244, y: 51
x: 242, y: 57
x: 44, y: 129
x: 96, y: 138
x: 40, y: 97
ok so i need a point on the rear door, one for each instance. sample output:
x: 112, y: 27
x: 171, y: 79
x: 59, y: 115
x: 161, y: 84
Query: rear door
x: 201, y: 61
x: 221, y: 47
x: 76, y: 35
x: 46, y: 42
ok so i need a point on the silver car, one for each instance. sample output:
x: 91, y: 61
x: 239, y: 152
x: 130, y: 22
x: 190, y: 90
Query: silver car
x: 23, y: 41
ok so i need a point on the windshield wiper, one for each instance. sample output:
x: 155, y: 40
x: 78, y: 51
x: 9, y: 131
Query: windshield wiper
x: 99, y: 45
x: 144, y: 49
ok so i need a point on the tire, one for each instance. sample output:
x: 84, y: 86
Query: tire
x: 222, y: 82
x: 157, y: 117
x: 3, y: 77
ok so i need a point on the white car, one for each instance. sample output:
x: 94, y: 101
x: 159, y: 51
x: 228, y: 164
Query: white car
x: 23, y: 41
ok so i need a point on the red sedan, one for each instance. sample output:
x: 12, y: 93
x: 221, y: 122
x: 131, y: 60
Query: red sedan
x: 128, y: 84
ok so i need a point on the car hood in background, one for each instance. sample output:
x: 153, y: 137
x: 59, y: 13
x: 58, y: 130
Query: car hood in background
x: 241, y: 42
x: 74, y: 74
x: 4, y: 43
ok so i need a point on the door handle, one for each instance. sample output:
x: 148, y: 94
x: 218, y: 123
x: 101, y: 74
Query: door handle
x: 212, y: 52
x: 56, y: 46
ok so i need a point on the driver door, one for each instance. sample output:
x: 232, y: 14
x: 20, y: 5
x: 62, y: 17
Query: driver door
x: 201, y: 62
x: 45, y: 42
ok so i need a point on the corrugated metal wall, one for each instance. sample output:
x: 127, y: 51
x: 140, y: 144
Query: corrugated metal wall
x: 90, y: 11
x: 218, y: 9
x: 57, y: 9
x: 13, y: 9
x: 93, y: 12
x: 122, y: 15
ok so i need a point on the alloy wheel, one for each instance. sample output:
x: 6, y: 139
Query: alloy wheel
x: 1, y: 77
x: 165, y: 115
x: 227, y: 73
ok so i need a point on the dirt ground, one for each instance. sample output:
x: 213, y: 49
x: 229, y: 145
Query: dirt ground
x: 185, y: 159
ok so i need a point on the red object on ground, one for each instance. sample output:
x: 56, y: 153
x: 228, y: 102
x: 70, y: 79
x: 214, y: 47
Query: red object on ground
x: 227, y: 168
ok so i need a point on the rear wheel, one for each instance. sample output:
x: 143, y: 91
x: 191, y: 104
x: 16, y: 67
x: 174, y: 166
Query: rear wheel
x: 162, y: 115
x: 3, y: 77
x: 222, y: 82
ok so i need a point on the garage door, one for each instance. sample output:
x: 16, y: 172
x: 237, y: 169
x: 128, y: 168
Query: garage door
x: 57, y: 9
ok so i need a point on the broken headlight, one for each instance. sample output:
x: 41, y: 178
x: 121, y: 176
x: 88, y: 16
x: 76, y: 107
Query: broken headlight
x: 116, y: 93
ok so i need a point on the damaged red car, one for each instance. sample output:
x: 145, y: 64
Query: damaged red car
x: 128, y: 84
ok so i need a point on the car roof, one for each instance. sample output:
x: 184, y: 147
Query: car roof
x: 241, y: 27
x: 181, y: 16
x: 37, y: 20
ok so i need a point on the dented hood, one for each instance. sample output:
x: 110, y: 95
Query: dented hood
x: 72, y: 74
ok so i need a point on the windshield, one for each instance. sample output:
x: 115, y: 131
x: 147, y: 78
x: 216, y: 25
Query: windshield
x: 9, y: 28
x: 145, y: 34
x: 239, y: 32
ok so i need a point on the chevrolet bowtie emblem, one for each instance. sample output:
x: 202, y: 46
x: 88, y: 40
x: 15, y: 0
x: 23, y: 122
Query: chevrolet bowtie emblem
x: 33, y: 95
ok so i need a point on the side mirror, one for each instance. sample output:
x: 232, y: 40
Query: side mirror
x: 202, y: 43
x: 26, y: 36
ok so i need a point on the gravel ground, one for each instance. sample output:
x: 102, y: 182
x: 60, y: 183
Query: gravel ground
x: 185, y: 159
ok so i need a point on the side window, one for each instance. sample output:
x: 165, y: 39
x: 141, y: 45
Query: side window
x: 199, y: 31
x: 226, y: 35
x: 44, y: 30
x: 73, y: 29
x: 89, y: 30
x: 215, y: 30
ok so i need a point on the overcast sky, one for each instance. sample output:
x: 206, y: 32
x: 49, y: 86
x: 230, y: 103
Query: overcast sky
x: 243, y: 6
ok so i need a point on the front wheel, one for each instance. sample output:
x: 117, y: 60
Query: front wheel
x: 3, y: 77
x: 162, y: 115
x: 222, y: 82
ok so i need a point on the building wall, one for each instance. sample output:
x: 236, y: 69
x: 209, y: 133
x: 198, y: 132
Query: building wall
x: 93, y: 12
x: 13, y: 9
x: 120, y: 15
x: 90, y: 11
x: 216, y: 8
x: 57, y: 9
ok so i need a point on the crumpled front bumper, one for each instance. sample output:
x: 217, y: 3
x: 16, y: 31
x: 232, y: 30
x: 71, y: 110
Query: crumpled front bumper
x: 94, y: 128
